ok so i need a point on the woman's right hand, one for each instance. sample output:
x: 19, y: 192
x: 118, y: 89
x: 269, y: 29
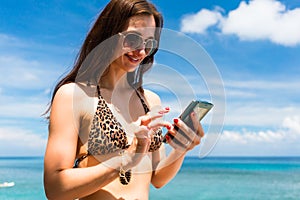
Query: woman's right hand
x: 148, y: 124
x: 183, y: 138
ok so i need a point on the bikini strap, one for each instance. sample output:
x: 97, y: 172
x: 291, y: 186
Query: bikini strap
x: 78, y: 160
x: 98, y: 90
x: 146, y: 108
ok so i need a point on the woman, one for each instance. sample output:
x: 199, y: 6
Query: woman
x: 105, y: 138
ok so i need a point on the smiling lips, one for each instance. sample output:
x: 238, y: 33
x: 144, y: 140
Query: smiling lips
x: 132, y: 58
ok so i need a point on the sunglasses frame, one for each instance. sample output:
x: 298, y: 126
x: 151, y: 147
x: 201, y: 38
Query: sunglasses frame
x: 154, y: 43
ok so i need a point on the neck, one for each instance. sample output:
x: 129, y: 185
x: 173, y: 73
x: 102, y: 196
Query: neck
x: 114, y: 79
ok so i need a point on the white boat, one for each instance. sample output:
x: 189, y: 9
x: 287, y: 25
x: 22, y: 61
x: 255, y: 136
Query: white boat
x: 7, y: 184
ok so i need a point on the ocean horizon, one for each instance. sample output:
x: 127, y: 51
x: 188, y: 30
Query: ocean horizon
x: 213, y: 177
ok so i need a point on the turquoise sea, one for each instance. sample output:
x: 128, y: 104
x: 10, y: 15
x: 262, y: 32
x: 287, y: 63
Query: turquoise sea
x: 212, y: 178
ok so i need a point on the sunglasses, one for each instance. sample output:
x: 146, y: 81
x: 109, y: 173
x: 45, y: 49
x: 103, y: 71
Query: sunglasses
x: 135, y: 41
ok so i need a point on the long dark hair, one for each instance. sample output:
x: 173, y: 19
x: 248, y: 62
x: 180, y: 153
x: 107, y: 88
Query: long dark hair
x: 111, y: 21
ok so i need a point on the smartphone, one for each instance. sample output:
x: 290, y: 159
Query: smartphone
x: 201, y: 108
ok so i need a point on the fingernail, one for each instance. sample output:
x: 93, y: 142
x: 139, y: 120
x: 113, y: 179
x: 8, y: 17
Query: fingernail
x: 167, y: 137
x: 168, y: 127
x: 161, y: 112
x: 167, y: 108
x: 175, y: 120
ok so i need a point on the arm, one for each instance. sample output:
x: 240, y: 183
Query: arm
x: 166, y: 168
x: 61, y: 181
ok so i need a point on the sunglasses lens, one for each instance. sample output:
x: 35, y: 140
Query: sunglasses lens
x: 132, y: 41
x: 150, y: 45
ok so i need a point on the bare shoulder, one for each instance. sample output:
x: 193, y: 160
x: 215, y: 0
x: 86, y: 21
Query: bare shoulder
x: 74, y: 91
x: 78, y: 97
x: 70, y: 103
x: 66, y: 90
x: 64, y: 95
x: 62, y: 102
x: 152, y: 98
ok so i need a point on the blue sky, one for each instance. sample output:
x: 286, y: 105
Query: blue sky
x: 255, y: 46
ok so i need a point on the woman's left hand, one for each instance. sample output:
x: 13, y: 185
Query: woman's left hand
x: 183, y: 138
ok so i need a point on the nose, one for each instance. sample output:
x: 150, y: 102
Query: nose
x: 141, y: 49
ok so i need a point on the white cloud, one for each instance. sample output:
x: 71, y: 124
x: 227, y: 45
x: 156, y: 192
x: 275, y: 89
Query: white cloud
x: 17, y: 72
x: 291, y: 85
x: 240, y: 93
x: 28, y: 76
x: 25, y: 81
x: 293, y: 124
x: 245, y: 136
x: 256, y: 114
x: 261, y: 102
x: 281, y: 142
x: 191, y: 23
x: 255, y: 20
x: 10, y: 41
x: 264, y: 19
x: 25, y: 64
x: 26, y: 109
x: 15, y: 141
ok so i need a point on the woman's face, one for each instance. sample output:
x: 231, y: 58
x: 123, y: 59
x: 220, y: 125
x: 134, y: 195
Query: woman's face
x: 142, y: 28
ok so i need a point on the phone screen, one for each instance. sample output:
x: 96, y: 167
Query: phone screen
x: 201, y: 108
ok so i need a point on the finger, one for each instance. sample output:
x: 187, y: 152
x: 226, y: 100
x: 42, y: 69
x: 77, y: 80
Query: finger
x: 146, y: 119
x: 184, y: 145
x: 195, y: 121
x: 143, y: 139
x: 201, y: 131
x: 174, y: 144
x: 164, y: 111
x: 158, y: 124
x: 197, y: 125
x: 159, y: 109
x: 183, y: 130
x: 182, y: 140
x: 155, y: 113
x: 178, y: 137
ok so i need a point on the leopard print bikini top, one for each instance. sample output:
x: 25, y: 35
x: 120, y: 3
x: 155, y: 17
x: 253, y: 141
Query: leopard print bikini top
x: 107, y: 135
